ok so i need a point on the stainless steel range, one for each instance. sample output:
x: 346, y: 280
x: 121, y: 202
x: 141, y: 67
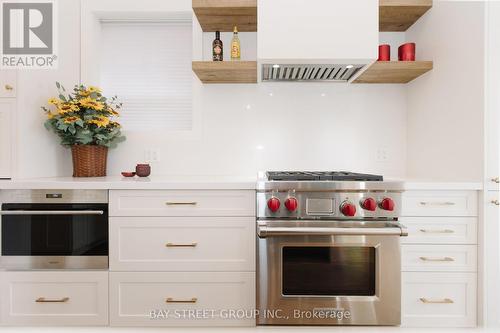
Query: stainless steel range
x: 328, y: 249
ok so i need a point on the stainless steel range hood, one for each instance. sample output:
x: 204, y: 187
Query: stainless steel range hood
x: 321, y: 73
x: 316, y: 40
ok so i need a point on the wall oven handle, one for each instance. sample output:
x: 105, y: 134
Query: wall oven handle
x: 265, y: 231
x: 51, y: 212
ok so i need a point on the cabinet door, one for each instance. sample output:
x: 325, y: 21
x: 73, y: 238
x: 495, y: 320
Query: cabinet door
x: 6, y: 116
x: 8, y: 79
x: 491, y: 258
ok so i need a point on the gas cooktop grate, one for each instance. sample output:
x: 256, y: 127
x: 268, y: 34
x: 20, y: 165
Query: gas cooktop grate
x: 321, y: 175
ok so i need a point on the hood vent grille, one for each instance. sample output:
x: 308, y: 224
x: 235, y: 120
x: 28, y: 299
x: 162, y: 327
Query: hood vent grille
x: 334, y: 73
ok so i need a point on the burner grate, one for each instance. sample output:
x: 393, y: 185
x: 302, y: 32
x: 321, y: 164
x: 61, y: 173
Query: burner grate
x: 321, y: 176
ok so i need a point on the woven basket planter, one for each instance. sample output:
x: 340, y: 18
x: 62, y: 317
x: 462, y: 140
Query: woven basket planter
x: 89, y: 161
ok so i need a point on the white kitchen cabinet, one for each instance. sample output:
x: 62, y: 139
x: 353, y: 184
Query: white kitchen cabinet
x: 440, y: 203
x: 8, y: 83
x: 440, y: 230
x: 52, y: 298
x: 182, y: 244
x: 185, y: 299
x: 7, y: 106
x: 182, y: 203
x: 317, y: 31
x: 439, y: 299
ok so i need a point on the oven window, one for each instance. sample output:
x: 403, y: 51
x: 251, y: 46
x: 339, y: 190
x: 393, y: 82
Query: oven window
x: 55, y: 235
x: 329, y: 271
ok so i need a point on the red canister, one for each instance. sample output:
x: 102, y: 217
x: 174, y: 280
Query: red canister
x: 384, y: 52
x: 406, y: 52
x: 143, y: 170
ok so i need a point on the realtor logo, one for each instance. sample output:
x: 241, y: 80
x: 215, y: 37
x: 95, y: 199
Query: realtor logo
x: 28, y: 34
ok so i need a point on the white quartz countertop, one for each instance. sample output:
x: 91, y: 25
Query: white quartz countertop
x: 191, y: 183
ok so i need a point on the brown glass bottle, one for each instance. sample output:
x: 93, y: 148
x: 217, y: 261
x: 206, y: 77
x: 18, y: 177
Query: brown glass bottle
x: 217, y: 48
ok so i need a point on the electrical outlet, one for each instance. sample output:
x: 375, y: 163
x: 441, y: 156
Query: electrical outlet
x: 382, y: 155
x: 152, y: 155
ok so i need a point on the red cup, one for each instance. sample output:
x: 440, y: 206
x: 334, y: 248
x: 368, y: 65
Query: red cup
x: 406, y: 52
x: 384, y: 52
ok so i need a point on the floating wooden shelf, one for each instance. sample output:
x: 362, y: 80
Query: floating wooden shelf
x: 223, y: 15
x: 399, y: 15
x: 226, y: 71
x: 394, y: 71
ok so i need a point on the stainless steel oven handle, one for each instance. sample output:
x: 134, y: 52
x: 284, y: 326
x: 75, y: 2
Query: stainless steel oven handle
x: 51, y: 212
x: 265, y: 231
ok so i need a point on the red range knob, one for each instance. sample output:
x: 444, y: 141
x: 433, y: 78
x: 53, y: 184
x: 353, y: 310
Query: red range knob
x: 369, y: 204
x: 273, y: 204
x: 291, y: 204
x: 387, y: 204
x: 348, y: 209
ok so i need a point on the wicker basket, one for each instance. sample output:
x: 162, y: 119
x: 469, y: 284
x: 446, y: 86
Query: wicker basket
x: 89, y: 161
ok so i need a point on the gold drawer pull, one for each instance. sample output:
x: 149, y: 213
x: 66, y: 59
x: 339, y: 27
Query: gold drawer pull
x: 194, y: 244
x: 448, y: 259
x: 9, y: 87
x: 45, y: 300
x: 495, y: 202
x: 496, y: 180
x: 444, y: 231
x: 170, y: 203
x: 172, y: 300
x: 438, y: 301
x: 445, y: 203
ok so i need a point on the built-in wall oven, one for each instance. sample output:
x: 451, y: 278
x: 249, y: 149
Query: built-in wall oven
x: 54, y: 229
x: 329, y: 252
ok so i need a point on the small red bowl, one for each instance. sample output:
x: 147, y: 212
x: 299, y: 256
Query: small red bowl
x: 128, y: 174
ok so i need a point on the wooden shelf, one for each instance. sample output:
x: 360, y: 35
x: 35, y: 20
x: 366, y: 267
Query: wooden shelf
x: 226, y: 71
x: 399, y: 15
x: 223, y: 15
x: 394, y: 71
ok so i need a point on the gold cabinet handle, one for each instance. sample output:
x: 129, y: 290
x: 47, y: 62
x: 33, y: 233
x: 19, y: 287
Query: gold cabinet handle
x: 445, y: 203
x: 45, y: 300
x: 444, y: 231
x: 194, y: 244
x: 9, y: 87
x: 448, y: 259
x: 170, y: 203
x: 495, y: 202
x: 496, y: 180
x: 438, y: 301
x: 172, y: 300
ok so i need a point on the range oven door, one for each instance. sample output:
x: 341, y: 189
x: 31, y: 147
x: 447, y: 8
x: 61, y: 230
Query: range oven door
x: 329, y: 273
x: 54, y: 236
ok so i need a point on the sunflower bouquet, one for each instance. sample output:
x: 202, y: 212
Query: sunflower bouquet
x: 85, y: 121
x: 84, y: 117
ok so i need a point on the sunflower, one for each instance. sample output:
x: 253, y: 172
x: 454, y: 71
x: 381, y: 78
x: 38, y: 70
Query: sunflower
x: 70, y: 120
x: 114, y: 124
x: 89, y: 103
x: 101, y: 121
x: 50, y: 115
x: 54, y: 101
x: 93, y: 89
x: 67, y: 108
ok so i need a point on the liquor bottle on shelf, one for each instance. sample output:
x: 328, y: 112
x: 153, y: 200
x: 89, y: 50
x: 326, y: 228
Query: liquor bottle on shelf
x: 235, y: 45
x: 217, y: 48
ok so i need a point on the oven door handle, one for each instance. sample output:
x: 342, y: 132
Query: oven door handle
x: 265, y: 231
x: 51, y: 212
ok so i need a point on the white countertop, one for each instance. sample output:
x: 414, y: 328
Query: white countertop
x: 135, y: 183
x: 191, y: 183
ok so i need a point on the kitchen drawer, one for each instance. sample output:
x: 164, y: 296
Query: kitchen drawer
x: 52, y: 298
x: 439, y: 258
x: 439, y: 299
x: 182, y: 297
x: 440, y: 230
x: 182, y: 203
x: 182, y: 243
x: 8, y: 83
x: 440, y: 203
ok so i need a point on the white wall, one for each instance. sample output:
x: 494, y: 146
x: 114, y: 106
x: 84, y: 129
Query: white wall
x: 445, y: 106
x: 242, y: 129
